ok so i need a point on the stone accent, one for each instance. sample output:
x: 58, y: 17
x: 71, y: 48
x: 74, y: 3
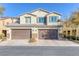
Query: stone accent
x: 34, y: 35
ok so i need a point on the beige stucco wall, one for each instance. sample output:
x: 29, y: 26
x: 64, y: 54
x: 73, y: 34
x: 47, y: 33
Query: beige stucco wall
x: 77, y: 31
x: 9, y: 34
x: 54, y: 23
x: 40, y: 13
x: 4, y: 22
x: 7, y: 21
x: 33, y: 19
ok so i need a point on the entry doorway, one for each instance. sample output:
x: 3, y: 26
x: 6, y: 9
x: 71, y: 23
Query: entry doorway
x: 4, y: 32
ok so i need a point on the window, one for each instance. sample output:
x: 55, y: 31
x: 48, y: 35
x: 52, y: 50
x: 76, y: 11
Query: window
x: 41, y: 20
x: 18, y: 20
x: 68, y: 33
x: 53, y: 18
x: 28, y: 19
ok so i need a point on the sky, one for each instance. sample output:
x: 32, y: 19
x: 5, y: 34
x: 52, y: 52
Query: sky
x: 16, y: 9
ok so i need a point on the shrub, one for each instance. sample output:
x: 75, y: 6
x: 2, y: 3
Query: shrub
x: 2, y: 37
x: 64, y: 36
x: 32, y: 40
x: 73, y: 37
x: 68, y: 37
x: 77, y: 38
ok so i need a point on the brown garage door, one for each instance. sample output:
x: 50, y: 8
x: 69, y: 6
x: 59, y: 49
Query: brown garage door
x: 21, y: 33
x: 48, y: 34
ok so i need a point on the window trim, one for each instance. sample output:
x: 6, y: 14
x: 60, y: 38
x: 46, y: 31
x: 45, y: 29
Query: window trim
x: 29, y: 20
x: 50, y: 20
x: 42, y: 20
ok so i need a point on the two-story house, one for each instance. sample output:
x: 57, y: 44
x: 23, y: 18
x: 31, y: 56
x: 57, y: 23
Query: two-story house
x: 39, y: 22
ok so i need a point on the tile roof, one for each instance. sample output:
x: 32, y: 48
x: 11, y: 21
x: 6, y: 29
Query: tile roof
x: 3, y: 18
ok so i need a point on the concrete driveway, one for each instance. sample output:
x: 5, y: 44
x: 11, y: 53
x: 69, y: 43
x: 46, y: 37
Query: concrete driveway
x: 39, y: 43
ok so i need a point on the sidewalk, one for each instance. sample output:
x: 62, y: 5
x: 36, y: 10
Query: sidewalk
x: 39, y: 43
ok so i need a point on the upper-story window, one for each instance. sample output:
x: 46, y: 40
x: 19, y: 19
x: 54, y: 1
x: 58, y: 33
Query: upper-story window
x: 28, y: 19
x: 41, y: 20
x: 53, y: 18
x: 17, y: 21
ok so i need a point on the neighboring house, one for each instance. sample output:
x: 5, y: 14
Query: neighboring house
x: 71, y: 28
x: 5, y: 21
x: 39, y: 22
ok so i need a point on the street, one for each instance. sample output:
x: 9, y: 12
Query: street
x: 39, y: 51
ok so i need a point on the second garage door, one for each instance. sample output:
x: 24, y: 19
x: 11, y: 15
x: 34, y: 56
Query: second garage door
x: 21, y: 34
x: 48, y: 34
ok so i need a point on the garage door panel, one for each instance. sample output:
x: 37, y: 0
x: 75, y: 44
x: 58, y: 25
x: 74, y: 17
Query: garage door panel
x: 48, y: 34
x: 21, y: 34
x: 53, y: 34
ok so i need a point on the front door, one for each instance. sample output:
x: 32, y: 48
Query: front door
x: 4, y: 32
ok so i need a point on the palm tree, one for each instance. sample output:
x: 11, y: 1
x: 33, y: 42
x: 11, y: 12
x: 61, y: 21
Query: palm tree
x: 2, y: 9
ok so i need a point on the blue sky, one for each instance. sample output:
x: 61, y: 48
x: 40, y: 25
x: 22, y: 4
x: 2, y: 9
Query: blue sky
x: 15, y: 9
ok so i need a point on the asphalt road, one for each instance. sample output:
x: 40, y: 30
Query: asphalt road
x: 39, y: 51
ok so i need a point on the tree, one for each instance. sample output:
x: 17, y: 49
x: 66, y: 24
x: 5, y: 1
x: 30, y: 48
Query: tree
x: 2, y: 9
x: 75, y: 17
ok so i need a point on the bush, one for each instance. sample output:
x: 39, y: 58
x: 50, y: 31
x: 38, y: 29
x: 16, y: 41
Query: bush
x: 64, y: 36
x: 2, y: 37
x: 77, y: 38
x: 32, y: 40
x: 68, y: 37
x: 73, y: 37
